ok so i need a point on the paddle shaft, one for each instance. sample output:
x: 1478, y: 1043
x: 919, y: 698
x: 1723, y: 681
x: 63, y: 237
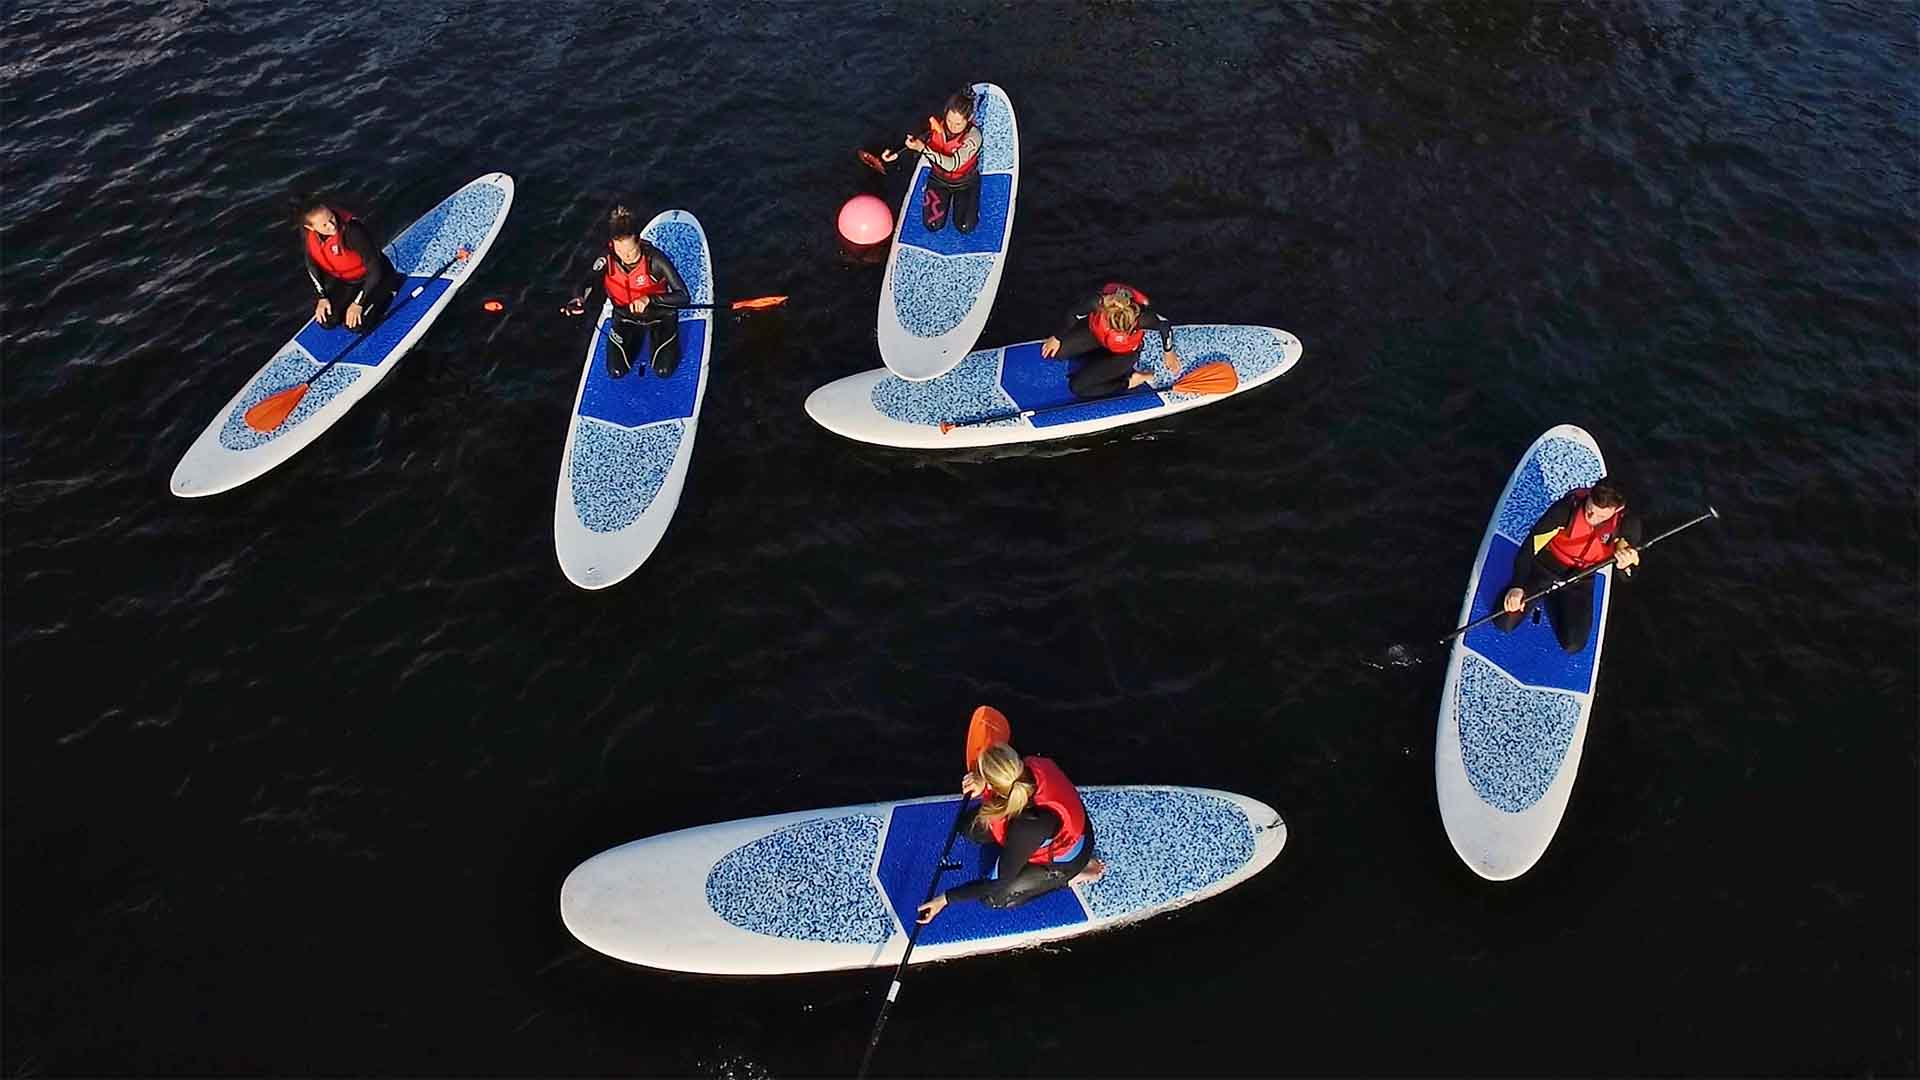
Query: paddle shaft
x: 1142, y: 391
x: 913, y: 937
x: 358, y: 341
x: 1589, y: 571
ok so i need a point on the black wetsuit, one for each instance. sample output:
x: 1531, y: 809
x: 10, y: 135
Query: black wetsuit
x: 1103, y: 373
x: 1570, y: 608
x: 372, y: 292
x: 654, y: 335
x: 957, y: 201
x: 1019, y: 880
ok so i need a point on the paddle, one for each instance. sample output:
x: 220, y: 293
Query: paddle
x: 988, y: 726
x: 273, y: 410
x: 1215, y: 378
x: 1398, y: 652
x: 756, y: 303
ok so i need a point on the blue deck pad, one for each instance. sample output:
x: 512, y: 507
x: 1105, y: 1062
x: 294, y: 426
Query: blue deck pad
x: 807, y: 881
x: 1038, y: 383
x: 401, y: 319
x: 641, y: 397
x: 682, y: 245
x: 988, y: 237
x: 617, y: 472
x: 914, y: 838
x: 932, y: 294
x: 994, y: 118
x: 968, y: 392
x: 462, y: 220
x: 1556, y: 467
x: 1161, y: 845
x: 287, y: 369
x: 1512, y: 739
x: 1531, y: 653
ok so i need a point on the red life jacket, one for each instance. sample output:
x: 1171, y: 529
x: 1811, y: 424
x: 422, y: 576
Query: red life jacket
x: 625, y: 286
x: 1113, y: 340
x: 333, y: 255
x: 1581, y: 545
x: 940, y: 142
x: 1051, y: 789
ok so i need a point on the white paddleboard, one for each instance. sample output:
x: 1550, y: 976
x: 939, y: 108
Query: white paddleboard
x: 939, y: 286
x: 630, y: 440
x: 825, y: 890
x: 229, y: 453
x: 1513, y: 713
x: 1001, y: 384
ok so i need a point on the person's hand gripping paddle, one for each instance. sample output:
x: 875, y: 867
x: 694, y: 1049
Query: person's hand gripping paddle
x: 988, y: 726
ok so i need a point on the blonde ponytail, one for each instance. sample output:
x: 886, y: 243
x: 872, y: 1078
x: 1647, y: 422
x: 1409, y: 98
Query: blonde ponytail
x: 1011, y: 783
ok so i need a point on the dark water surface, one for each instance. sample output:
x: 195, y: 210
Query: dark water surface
x: 293, y: 774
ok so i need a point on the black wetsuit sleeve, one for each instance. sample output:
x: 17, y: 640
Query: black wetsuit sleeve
x: 1077, y: 314
x: 596, y: 268
x: 1153, y: 320
x: 358, y: 239
x: 662, y: 269
x: 1629, y: 529
x: 1555, y: 517
x: 314, y: 273
x: 1026, y: 834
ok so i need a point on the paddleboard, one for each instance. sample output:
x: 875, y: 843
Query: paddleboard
x: 825, y: 890
x: 229, y: 453
x: 1513, y: 713
x: 939, y: 286
x: 997, y: 385
x: 630, y: 440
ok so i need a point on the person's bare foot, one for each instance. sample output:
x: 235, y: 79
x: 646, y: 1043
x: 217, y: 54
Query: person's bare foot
x: 1091, y: 874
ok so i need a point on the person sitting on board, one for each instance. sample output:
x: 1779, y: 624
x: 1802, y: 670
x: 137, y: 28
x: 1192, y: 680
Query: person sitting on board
x: 952, y: 150
x: 353, y: 279
x: 1107, y: 329
x: 1582, y: 529
x: 1030, y: 810
x: 647, y: 293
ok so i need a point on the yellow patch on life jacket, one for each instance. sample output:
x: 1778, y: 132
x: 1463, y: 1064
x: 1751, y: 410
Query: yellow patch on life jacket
x: 1541, y: 540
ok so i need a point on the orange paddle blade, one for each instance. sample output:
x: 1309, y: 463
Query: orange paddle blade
x: 1215, y: 378
x: 273, y: 411
x: 758, y: 303
x: 872, y: 161
x: 988, y: 726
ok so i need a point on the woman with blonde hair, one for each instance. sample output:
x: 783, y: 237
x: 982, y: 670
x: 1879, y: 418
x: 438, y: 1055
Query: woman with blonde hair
x: 1106, y: 330
x: 1030, y: 810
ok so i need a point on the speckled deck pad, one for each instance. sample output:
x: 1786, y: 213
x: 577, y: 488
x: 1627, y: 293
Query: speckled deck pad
x: 631, y: 430
x: 462, y: 219
x: 937, y: 276
x: 811, y: 881
x: 995, y: 382
x: 1518, y: 698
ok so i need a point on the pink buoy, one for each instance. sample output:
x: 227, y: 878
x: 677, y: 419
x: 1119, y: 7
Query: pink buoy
x: 865, y: 221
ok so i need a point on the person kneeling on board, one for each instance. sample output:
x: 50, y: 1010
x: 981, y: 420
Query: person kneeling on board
x: 353, y: 279
x: 1030, y: 810
x: 1582, y: 529
x: 647, y: 293
x: 952, y: 150
x: 1106, y: 331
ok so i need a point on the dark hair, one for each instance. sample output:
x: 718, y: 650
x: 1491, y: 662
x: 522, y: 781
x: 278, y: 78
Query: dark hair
x: 1607, y: 492
x: 962, y: 102
x: 305, y: 205
x: 620, y: 223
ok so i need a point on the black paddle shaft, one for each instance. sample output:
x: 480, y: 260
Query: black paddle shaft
x: 1564, y: 582
x: 913, y: 936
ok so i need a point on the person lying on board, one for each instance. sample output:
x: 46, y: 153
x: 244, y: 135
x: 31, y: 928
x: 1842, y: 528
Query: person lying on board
x: 1107, y: 329
x: 1582, y: 529
x: 646, y: 291
x: 353, y: 280
x: 1030, y: 810
x: 952, y: 150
